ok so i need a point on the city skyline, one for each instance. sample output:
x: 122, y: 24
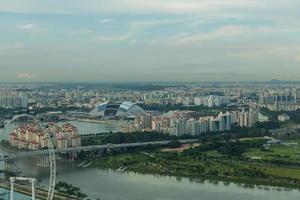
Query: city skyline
x: 149, y: 41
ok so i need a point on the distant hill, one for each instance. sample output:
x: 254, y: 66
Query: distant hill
x: 275, y: 81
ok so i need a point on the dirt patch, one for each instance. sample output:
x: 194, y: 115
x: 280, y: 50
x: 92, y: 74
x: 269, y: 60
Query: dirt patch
x: 180, y: 149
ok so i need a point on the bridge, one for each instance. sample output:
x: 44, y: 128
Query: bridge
x: 46, y: 158
x: 88, y: 148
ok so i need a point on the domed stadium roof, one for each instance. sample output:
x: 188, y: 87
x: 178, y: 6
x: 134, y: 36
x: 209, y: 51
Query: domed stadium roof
x: 118, y: 109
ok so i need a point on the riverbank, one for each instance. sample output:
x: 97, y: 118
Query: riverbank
x: 41, y: 194
x: 106, y: 184
x: 204, y: 167
x: 91, y: 120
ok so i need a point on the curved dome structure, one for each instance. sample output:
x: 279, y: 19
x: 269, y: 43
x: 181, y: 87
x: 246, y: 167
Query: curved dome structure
x: 118, y: 109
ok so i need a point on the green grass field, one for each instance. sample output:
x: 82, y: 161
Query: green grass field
x: 279, y: 152
x: 278, y: 166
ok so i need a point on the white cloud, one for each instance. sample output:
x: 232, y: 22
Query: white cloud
x: 197, y: 38
x: 114, y: 38
x: 104, y: 21
x: 26, y: 27
x: 143, y: 6
x: 81, y: 31
x: 26, y: 75
x: 297, y: 58
x: 16, y: 45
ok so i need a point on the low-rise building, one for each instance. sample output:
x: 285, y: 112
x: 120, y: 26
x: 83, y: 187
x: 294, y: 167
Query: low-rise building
x: 283, y: 117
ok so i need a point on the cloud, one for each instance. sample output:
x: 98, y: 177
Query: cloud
x: 142, y: 6
x: 297, y: 58
x: 16, y: 45
x: 81, y: 31
x: 114, y: 38
x: 26, y: 75
x: 137, y: 27
x: 196, y: 38
x: 26, y: 27
x: 104, y: 21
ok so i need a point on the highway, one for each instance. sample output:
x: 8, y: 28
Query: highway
x: 88, y: 148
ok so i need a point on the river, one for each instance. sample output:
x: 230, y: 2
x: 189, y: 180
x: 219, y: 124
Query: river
x: 98, y: 127
x: 111, y: 185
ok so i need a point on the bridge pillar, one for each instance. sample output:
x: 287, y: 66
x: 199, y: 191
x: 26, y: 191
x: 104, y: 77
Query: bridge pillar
x: 18, y: 162
x: 74, y: 156
x: 43, y: 161
x: 9, y: 165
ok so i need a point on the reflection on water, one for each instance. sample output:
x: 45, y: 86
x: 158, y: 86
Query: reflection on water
x: 101, y: 127
x: 110, y: 185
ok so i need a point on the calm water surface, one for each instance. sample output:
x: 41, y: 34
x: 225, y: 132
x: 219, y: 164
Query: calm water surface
x: 110, y: 185
x: 101, y: 127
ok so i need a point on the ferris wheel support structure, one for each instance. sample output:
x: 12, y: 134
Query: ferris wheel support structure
x: 52, y: 159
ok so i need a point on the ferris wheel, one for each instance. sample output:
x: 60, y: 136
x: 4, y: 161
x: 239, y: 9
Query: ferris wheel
x: 52, y: 160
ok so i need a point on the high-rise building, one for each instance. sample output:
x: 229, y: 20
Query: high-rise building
x: 297, y: 94
x: 210, y: 101
x: 225, y: 121
x: 14, y: 101
x: 193, y: 127
x: 253, y: 116
x: 243, y: 119
x: 214, y: 124
x: 204, y: 124
x: 180, y: 127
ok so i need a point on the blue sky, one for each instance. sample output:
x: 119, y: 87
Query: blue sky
x: 137, y: 40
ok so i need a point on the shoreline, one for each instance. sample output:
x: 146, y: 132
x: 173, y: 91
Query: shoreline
x: 92, y: 121
x: 246, y: 182
x: 164, y: 168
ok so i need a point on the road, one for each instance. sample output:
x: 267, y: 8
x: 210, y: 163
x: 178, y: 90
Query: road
x: 26, y: 190
x: 89, y: 148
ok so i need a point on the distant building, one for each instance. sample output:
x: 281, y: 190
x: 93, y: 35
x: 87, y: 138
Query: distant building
x: 31, y: 137
x: 297, y: 94
x: 253, y: 116
x: 283, y: 117
x: 118, y: 109
x: 180, y: 123
x: 214, y: 125
x: 225, y: 121
x: 13, y: 101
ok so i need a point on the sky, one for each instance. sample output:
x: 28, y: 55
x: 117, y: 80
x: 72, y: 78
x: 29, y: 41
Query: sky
x: 149, y: 40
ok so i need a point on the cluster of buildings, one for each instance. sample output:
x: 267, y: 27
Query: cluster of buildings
x: 281, y: 100
x: 13, y: 100
x: 276, y: 97
x: 182, y: 122
x: 32, y: 137
x: 212, y: 101
x: 283, y: 118
x: 246, y: 118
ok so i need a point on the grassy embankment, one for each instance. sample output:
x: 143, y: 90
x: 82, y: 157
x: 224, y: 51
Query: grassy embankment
x: 280, y: 166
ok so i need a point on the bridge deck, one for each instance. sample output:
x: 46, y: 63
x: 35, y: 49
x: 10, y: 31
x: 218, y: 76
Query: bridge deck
x: 89, y: 148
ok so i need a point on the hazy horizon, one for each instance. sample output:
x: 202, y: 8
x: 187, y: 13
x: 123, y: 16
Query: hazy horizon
x: 158, y: 40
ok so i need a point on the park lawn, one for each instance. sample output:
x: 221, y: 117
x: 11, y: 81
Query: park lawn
x: 174, y: 164
x: 282, y: 171
x: 282, y: 152
x: 293, y: 141
x: 214, y: 154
